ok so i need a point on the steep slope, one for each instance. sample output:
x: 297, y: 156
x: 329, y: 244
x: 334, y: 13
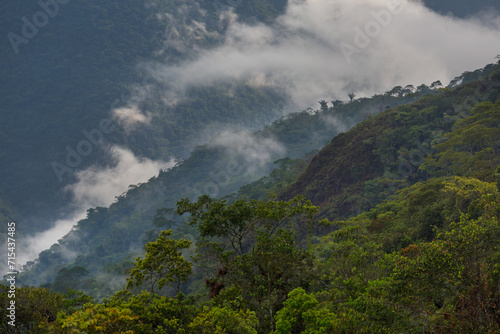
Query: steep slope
x: 230, y: 161
x: 108, y: 238
x: 360, y: 168
x: 424, y: 260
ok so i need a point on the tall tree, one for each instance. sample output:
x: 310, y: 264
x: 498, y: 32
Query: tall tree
x: 162, y: 265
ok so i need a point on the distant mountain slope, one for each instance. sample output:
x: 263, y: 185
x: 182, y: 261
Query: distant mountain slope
x: 105, y: 242
x: 108, y: 238
x: 69, y: 73
x: 360, y: 168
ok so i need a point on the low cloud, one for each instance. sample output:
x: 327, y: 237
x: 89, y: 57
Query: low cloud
x: 96, y: 186
x: 303, y: 53
x: 335, y: 123
x: 30, y: 247
x: 130, y: 117
x: 254, y: 152
x: 99, y: 186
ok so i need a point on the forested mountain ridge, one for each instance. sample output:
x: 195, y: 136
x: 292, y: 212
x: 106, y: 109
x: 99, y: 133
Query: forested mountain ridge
x: 217, y: 168
x: 362, y: 167
x: 423, y: 260
x: 372, y: 215
x: 89, y: 58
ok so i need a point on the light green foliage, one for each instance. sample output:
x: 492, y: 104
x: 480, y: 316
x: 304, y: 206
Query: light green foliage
x: 94, y: 319
x: 449, y: 281
x: 158, y: 314
x: 162, y: 265
x: 301, y: 314
x: 218, y: 320
x: 471, y: 149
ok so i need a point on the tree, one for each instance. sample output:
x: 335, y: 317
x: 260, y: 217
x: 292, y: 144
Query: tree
x: 351, y: 96
x: 436, y: 85
x: 69, y: 278
x: 237, y: 222
x: 33, y: 306
x: 471, y: 148
x: 245, y: 244
x: 337, y: 104
x: 222, y: 320
x: 275, y: 266
x: 94, y: 319
x: 324, y: 105
x: 409, y: 89
x: 422, y: 89
x: 157, y: 314
x: 449, y: 277
x: 302, y: 314
x: 396, y: 91
x: 163, y: 264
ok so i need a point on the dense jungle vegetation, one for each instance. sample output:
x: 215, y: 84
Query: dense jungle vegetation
x: 392, y: 227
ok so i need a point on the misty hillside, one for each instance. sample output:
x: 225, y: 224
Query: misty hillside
x: 407, y: 197
x: 230, y: 161
x: 260, y: 166
x: 142, y: 65
x: 355, y: 171
x: 89, y: 60
x: 388, y: 152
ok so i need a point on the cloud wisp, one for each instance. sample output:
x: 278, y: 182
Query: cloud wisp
x: 302, y: 53
x: 130, y: 117
x: 253, y: 152
x: 99, y: 186
x: 96, y: 186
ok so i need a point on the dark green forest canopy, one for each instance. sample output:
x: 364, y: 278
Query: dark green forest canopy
x: 424, y: 260
x: 400, y: 234
x: 209, y: 169
x: 399, y: 147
